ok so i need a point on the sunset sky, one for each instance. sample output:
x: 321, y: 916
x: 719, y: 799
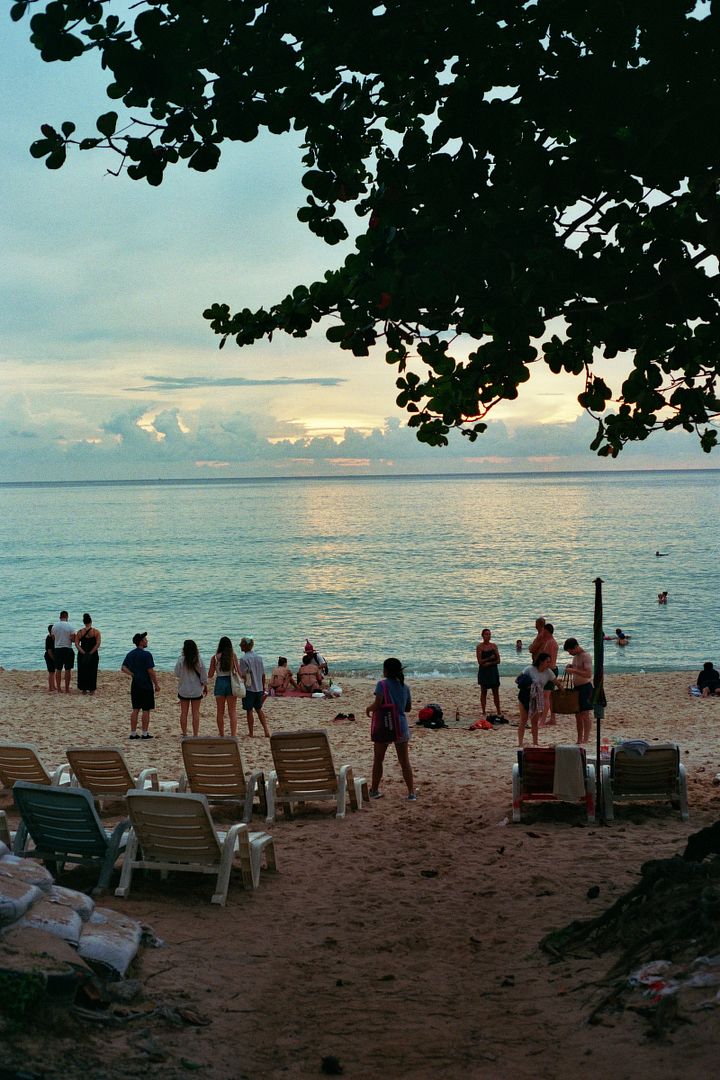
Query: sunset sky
x: 110, y: 371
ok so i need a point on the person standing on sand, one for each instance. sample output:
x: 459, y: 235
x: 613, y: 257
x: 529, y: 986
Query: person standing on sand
x: 393, y: 685
x: 88, y: 642
x: 140, y: 666
x: 50, y: 659
x: 192, y: 685
x: 223, y: 665
x: 63, y: 635
x: 537, y: 645
x: 581, y: 671
x: 552, y: 647
x: 253, y: 671
x: 532, y: 683
x: 488, y: 677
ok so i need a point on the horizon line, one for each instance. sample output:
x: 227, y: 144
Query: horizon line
x: 343, y: 477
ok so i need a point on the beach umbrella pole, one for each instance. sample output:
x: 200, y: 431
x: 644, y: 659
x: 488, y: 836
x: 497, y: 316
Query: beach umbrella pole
x: 599, y: 700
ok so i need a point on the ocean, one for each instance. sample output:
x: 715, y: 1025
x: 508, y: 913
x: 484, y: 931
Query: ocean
x: 368, y: 567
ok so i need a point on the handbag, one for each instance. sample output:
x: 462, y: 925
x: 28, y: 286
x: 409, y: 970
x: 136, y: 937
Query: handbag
x: 384, y: 727
x: 237, y: 684
x: 564, y: 698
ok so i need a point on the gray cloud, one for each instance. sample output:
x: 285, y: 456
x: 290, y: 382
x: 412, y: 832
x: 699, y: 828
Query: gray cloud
x: 203, y: 382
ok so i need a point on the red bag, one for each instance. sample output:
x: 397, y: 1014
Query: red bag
x: 384, y: 726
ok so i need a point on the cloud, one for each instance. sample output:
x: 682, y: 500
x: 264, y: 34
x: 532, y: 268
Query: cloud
x: 204, y: 382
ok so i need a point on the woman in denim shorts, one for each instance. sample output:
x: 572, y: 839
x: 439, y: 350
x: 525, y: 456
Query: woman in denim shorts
x: 222, y: 665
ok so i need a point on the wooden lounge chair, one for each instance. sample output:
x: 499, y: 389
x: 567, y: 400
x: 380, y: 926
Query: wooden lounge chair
x: 658, y: 775
x: 21, y: 761
x: 63, y: 824
x: 104, y: 771
x: 176, y: 832
x: 305, y: 772
x: 214, y: 768
x: 533, y: 780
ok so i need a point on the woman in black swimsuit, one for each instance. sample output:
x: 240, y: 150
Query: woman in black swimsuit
x: 88, y: 643
x: 488, y: 658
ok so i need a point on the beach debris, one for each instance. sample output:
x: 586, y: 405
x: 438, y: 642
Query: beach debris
x: 147, y: 1044
x: 331, y: 1066
x: 593, y: 892
x: 674, y: 909
x: 429, y: 873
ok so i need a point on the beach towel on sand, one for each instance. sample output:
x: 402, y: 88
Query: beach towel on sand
x: 569, y: 777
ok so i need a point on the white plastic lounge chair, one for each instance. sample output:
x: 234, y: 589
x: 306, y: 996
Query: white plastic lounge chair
x: 214, y: 768
x: 533, y: 780
x: 176, y: 832
x: 104, y: 771
x: 305, y: 772
x: 21, y: 761
x: 658, y: 775
x: 64, y: 826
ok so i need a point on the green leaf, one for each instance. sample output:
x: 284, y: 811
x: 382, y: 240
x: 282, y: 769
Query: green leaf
x: 107, y: 123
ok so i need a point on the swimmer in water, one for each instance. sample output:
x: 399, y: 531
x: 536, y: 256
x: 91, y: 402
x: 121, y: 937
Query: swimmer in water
x: 661, y: 554
x: 662, y: 597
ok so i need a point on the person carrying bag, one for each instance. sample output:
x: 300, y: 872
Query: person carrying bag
x: 389, y: 724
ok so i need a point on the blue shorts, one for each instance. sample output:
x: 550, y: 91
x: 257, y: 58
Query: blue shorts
x: 223, y: 687
x: 253, y: 700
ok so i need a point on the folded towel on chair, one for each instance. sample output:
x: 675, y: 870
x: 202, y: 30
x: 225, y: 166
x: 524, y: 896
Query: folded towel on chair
x: 569, y: 777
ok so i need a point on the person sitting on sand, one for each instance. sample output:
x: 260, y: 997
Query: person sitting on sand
x: 310, y: 676
x: 281, y: 678
x: 708, y: 681
x: 322, y: 663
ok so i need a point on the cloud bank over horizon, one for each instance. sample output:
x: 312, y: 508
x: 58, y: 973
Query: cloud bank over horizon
x: 108, y: 369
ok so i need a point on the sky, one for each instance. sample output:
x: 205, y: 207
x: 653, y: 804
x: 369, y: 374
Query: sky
x: 109, y: 371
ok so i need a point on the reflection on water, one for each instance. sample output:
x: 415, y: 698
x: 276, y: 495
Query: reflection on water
x: 413, y: 567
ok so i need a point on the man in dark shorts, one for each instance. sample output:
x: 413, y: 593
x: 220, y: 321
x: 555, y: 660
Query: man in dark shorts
x: 253, y: 671
x: 139, y: 664
x: 581, y: 671
x: 63, y: 635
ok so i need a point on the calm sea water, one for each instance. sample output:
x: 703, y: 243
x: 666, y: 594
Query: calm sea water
x: 408, y: 566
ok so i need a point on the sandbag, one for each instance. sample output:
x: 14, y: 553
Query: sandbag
x: 54, y: 917
x: 16, y: 897
x: 110, y: 940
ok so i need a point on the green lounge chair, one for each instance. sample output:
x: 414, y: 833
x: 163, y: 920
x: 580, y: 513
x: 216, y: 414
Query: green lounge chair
x: 63, y: 824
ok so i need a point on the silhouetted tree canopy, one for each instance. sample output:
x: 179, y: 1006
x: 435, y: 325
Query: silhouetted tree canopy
x: 535, y: 182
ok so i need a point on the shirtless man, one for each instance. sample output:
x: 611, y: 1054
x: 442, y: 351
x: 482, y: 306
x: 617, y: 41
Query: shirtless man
x: 537, y: 645
x: 581, y: 671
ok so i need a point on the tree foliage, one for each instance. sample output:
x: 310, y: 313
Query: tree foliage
x: 536, y: 182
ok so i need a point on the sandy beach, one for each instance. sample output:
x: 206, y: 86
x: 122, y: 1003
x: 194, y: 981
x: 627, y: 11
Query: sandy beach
x: 403, y: 940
